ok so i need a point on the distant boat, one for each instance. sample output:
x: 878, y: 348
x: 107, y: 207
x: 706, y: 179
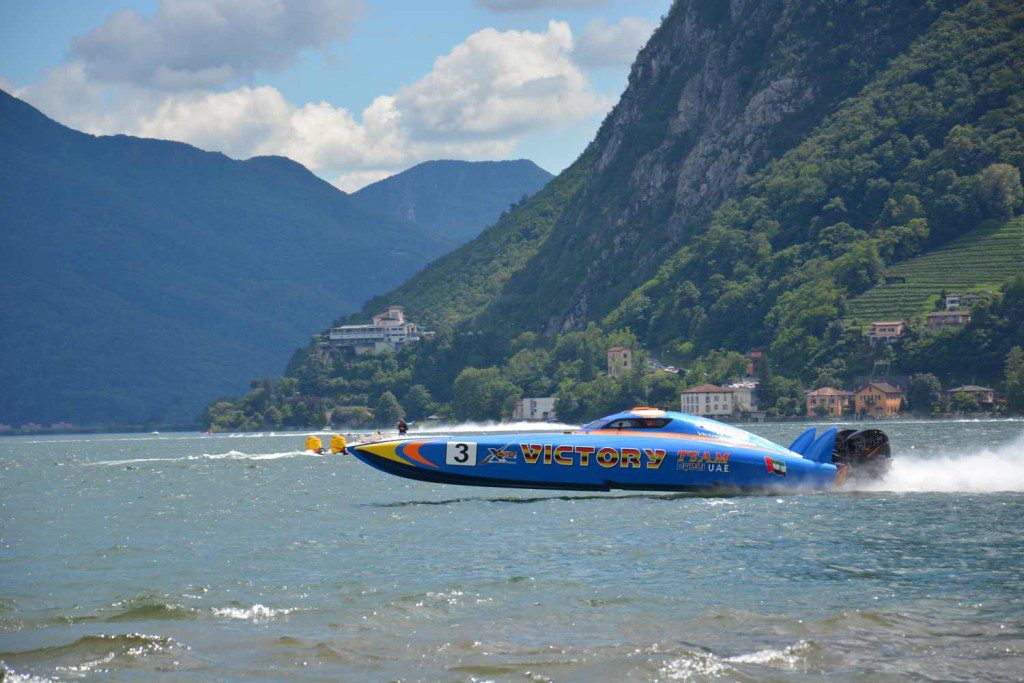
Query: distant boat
x: 640, y: 449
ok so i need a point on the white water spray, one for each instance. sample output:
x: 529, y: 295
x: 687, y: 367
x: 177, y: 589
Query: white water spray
x: 944, y: 470
x: 230, y: 455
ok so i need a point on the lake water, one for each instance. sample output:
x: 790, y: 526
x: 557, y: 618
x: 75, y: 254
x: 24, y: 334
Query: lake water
x: 141, y: 557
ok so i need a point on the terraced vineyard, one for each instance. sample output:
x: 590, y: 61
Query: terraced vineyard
x: 979, y: 261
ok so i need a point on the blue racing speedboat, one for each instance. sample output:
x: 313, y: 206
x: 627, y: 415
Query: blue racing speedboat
x: 640, y: 449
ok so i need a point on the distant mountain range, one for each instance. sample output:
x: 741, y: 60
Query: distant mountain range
x: 455, y: 198
x: 141, y: 278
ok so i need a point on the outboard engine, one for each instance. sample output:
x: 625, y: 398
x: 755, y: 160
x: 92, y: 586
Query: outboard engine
x: 862, y: 454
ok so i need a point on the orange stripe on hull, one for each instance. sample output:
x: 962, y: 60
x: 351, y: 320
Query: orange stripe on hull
x: 412, y: 450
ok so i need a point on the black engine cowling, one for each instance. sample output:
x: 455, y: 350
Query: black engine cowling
x: 862, y: 454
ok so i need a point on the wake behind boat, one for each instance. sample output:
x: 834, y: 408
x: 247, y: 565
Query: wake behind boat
x: 640, y: 449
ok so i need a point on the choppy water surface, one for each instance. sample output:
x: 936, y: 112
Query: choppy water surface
x: 191, y: 557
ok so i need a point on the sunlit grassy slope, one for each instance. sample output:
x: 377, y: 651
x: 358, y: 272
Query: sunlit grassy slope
x: 981, y: 260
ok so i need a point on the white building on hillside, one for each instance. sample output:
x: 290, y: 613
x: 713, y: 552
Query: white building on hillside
x: 389, y: 330
x: 710, y: 400
x: 744, y: 396
x: 707, y: 400
x: 534, y: 409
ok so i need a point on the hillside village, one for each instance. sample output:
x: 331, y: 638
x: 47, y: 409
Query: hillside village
x: 726, y: 386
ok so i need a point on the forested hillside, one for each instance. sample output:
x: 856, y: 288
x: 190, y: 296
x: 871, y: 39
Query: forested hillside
x: 719, y: 91
x: 927, y: 151
x: 768, y: 162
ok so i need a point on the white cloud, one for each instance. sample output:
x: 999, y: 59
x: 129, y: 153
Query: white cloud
x: 499, y: 83
x: 525, y: 5
x: 208, y: 43
x: 476, y: 103
x: 350, y: 182
x: 602, y: 44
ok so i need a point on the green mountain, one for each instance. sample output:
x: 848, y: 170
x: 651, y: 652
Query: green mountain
x: 711, y: 99
x: 454, y: 198
x: 928, y: 150
x: 767, y: 164
x: 141, y: 278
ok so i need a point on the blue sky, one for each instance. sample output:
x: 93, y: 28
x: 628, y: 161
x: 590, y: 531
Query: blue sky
x: 354, y: 89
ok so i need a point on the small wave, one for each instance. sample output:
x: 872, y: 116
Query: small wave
x: 257, y: 612
x: 701, y: 664
x: 88, y: 654
x: 787, y: 656
x: 146, y: 611
x: 695, y: 664
x: 320, y: 652
x: 992, y: 470
x: 581, y: 497
x: 12, y: 676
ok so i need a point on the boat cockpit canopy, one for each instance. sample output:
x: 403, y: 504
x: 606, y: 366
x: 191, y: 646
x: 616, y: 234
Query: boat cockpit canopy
x: 644, y: 419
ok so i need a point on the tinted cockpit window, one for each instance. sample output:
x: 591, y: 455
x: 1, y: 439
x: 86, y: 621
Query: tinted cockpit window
x: 638, y: 423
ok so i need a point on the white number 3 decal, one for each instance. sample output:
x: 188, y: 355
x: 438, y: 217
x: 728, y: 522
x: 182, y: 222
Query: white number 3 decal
x: 460, y: 453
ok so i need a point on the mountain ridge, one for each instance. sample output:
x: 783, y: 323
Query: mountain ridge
x: 143, y: 277
x: 453, y: 198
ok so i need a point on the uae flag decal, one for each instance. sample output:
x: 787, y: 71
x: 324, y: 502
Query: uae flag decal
x: 775, y: 466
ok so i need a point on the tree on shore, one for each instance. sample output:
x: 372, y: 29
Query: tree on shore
x: 417, y: 402
x: 962, y: 402
x: 923, y: 392
x: 483, y: 394
x: 1015, y: 381
x: 388, y: 412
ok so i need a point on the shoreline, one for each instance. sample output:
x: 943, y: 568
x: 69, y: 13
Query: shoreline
x: 514, y: 427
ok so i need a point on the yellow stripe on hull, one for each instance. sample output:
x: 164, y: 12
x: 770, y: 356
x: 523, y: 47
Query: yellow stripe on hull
x: 388, y: 449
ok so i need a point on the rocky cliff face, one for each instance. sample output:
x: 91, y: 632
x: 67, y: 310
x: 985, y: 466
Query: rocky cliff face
x: 720, y: 90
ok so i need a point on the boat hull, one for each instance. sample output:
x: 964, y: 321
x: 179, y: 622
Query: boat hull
x: 585, y: 461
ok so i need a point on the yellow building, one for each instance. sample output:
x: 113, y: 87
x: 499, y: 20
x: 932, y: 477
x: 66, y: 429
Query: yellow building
x: 829, y: 401
x: 878, y: 399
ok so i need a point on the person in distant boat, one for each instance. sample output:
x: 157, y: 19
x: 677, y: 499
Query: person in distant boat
x: 402, y: 427
x: 379, y: 435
